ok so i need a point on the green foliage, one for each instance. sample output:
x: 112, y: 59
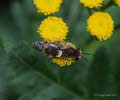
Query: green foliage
x: 25, y: 74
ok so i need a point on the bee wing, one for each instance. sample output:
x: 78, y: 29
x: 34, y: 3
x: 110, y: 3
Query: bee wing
x: 63, y: 47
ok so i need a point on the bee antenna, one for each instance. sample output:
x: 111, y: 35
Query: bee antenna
x: 85, y: 58
x: 86, y: 53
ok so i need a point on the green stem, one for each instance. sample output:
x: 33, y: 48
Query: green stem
x: 96, y: 9
x: 107, y: 6
x: 89, y: 11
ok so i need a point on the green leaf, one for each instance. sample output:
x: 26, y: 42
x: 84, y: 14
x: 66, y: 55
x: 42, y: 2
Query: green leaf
x: 26, y: 74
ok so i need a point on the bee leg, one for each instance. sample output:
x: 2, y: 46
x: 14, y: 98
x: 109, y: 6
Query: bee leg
x: 50, y: 59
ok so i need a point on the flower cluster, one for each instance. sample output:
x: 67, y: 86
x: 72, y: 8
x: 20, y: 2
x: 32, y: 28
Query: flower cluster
x: 100, y: 24
x: 53, y: 29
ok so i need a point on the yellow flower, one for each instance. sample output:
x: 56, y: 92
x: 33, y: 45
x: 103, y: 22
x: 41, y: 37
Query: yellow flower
x: 64, y: 61
x: 47, y: 6
x: 100, y: 25
x: 117, y: 2
x: 52, y: 29
x: 92, y: 3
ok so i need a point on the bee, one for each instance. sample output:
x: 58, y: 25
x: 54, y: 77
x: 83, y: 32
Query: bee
x: 48, y: 49
x: 56, y: 50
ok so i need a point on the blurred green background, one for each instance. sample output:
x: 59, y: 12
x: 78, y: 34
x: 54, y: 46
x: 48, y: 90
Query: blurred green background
x: 25, y: 74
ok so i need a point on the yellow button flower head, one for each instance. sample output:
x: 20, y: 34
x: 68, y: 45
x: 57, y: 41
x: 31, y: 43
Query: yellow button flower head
x: 91, y: 3
x: 52, y: 29
x: 47, y: 6
x: 117, y: 2
x: 64, y: 61
x: 100, y: 25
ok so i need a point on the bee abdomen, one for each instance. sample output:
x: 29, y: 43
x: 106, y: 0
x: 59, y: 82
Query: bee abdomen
x: 38, y: 46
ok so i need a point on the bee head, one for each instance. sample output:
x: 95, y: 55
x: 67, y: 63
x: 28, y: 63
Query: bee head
x: 71, y: 52
x: 78, y: 54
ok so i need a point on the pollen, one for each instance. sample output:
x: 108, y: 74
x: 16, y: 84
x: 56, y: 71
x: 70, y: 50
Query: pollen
x: 100, y: 25
x: 52, y: 29
x: 47, y: 7
x: 92, y: 3
x: 64, y: 61
x: 117, y: 2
